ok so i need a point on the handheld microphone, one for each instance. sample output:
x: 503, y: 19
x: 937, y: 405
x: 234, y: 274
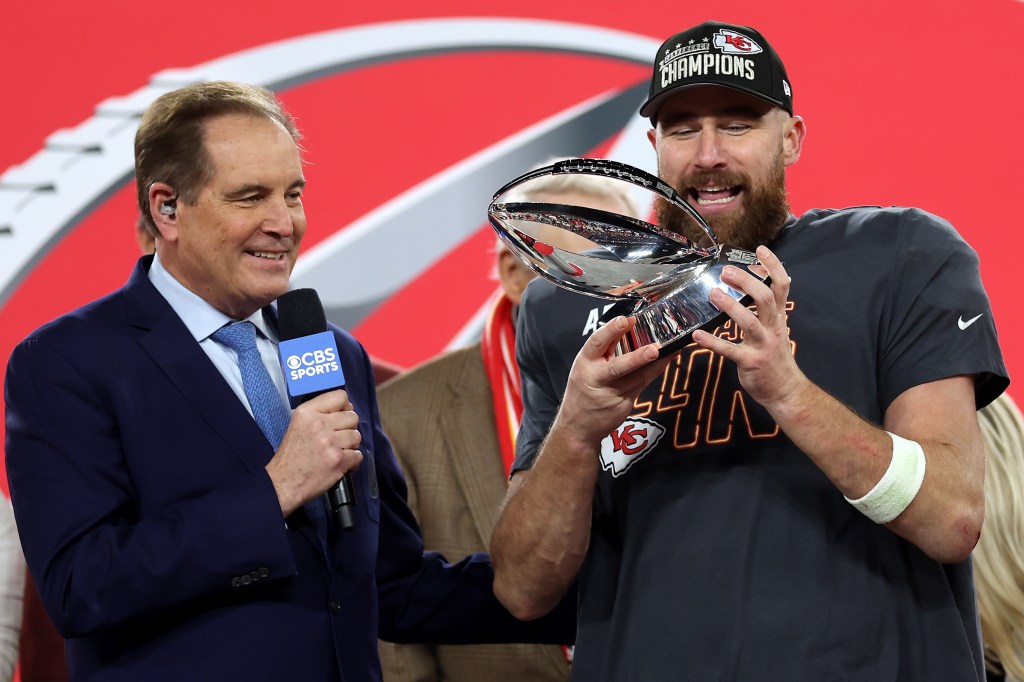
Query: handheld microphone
x: 312, y: 366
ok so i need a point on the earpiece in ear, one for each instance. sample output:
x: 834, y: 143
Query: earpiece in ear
x: 167, y: 208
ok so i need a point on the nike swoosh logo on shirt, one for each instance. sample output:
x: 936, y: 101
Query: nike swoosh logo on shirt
x: 964, y: 325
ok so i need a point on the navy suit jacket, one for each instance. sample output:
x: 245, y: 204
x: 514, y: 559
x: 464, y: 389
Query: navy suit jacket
x: 155, y: 536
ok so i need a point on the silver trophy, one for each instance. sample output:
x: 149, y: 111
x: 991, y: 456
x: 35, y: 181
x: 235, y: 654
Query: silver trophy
x: 658, y: 273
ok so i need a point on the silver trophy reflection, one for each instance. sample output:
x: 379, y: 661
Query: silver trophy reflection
x: 662, y: 277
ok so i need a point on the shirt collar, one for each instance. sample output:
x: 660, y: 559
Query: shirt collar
x: 201, y: 318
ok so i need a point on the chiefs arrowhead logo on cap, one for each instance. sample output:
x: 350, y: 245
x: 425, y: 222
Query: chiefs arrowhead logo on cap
x: 733, y: 42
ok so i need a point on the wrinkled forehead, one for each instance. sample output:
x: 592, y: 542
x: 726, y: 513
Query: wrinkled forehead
x: 250, y: 145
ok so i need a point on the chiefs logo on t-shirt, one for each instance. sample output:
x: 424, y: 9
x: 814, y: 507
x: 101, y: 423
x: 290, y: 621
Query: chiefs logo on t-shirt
x: 627, y: 445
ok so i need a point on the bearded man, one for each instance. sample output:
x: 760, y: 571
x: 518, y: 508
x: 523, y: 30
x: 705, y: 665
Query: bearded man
x: 795, y: 495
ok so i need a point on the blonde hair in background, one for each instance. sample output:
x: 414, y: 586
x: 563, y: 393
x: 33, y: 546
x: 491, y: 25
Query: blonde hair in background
x: 999, y: 556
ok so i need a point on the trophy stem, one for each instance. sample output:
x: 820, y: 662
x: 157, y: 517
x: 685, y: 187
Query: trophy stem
x: 671, y: 321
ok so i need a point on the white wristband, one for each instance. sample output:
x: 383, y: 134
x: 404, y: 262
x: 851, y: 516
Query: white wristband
x: 898, y: 486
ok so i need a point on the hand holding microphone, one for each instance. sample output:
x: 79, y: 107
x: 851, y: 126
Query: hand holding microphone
x: 312, y: 368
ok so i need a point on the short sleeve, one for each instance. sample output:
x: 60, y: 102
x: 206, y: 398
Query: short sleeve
x: 939, y: 321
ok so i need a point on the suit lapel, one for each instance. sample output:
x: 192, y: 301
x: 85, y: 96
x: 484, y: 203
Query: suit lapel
x: 187, y: 367
x: 469, y: 420
x: 172, y: 347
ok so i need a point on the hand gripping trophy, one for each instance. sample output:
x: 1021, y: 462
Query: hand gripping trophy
x: 661, y: 273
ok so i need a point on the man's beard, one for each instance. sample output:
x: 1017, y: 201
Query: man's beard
x: 758, y: 221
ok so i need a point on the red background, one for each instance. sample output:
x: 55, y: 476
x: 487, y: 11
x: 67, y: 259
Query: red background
x: 905, y: 103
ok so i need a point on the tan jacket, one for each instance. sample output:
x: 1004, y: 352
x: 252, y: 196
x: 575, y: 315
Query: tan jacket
x: 440, y: 420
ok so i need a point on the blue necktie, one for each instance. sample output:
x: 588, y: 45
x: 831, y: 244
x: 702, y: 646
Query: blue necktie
x: 272, y: 415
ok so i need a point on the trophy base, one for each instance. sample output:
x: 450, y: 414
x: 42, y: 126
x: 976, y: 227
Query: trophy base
x: 671, y: 321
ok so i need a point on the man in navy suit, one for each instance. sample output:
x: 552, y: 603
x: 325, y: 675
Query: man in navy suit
x: 169, y: 538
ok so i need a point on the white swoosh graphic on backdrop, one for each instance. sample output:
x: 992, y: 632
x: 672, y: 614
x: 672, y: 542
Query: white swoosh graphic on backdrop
x: 78, y: 169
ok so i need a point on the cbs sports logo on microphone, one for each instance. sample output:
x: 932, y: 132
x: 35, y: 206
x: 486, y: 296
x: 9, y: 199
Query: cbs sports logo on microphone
x: 311, y: 364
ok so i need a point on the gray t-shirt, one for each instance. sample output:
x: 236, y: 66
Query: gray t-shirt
x: 718, y: 550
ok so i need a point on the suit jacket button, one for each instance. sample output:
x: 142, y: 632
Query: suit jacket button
x: 236, y: 581
x: 335, y: 607
x: 246, y: 579
x: 264, y: 572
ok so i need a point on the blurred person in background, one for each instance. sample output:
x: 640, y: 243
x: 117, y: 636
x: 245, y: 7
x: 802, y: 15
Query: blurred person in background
x: 12, y: 589
x: 456, y: 454
x: 999, y: 556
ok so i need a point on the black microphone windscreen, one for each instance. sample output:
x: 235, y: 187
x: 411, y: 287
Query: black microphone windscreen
x: 300, y: 313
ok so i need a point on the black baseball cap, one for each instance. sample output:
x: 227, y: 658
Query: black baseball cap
x: 714, y: 53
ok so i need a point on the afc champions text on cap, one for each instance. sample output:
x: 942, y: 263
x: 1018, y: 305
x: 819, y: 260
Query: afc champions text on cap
x: 714, y: 53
